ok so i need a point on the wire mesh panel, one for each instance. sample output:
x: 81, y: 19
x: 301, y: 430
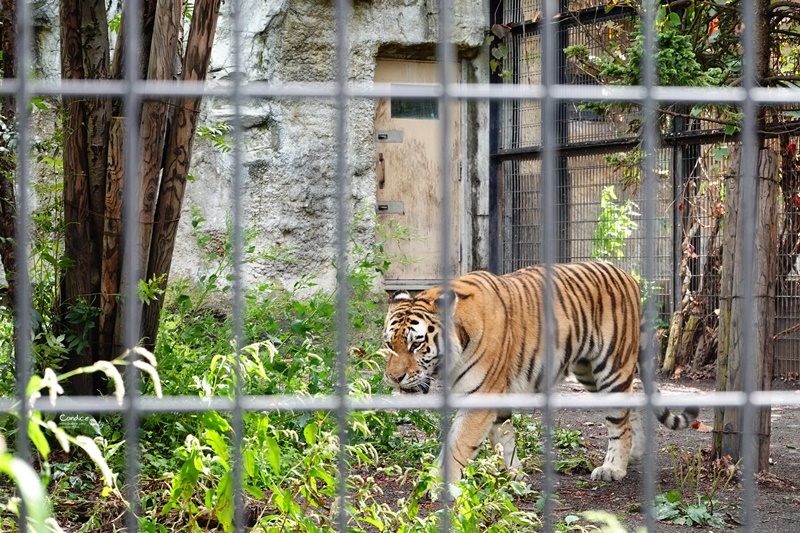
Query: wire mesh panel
x: 520, y: 11
x: 594, y: 36
x: 599, y: 219
x: 787, y: 347
x: 670, y: 162
x: 568, y: 184
x: 522, y: 214
x: 521, y: 121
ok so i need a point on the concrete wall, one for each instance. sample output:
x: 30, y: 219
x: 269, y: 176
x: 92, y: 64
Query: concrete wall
x: 289, y: 150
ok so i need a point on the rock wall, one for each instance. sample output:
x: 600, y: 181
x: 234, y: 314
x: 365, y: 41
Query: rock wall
x: 289, y: 144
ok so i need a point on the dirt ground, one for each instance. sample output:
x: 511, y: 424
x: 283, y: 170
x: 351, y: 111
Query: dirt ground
x: 777, y: 504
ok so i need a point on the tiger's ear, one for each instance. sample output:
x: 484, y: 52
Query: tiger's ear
x: 447, y: 299
x: 399, y: 296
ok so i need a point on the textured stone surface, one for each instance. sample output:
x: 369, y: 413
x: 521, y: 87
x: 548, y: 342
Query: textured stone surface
x: 289, y: 146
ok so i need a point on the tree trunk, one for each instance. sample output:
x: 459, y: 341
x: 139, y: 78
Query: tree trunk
x: 93, y: 160
x: 8, y: 201
x: 94, y: 33
x: 92, y: 182
x: 727, y: 421
x: 154, y: 118
x: 177, y: 159
x: 675, y: 331
x: 110, y: 324
x: 728, y: 428
x: 112, y: 242
x: 76, y: 284
x: 147, y: 13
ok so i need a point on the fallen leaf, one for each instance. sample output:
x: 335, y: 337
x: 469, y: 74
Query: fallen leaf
x: 701, y: 427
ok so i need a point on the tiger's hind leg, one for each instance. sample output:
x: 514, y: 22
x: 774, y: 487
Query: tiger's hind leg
x: 615, y: 465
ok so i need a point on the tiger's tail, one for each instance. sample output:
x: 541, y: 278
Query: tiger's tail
x: 677, y: 421
x: 667, y: 418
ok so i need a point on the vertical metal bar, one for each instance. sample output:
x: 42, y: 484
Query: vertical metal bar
x: 23, y: 303
x: 678, y: 181
x: 495, y: 166
x: 549, y: 50
x: 447, y: 59
x: 238, y: 299
x: 130, y: 256
x: 748, y: 208
x: 562, y: 171
x: 342, y: 217
x: 650, y: 149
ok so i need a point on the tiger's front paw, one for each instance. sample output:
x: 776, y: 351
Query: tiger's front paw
x: 608, y: 473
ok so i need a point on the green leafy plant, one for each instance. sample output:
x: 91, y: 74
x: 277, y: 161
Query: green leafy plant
x: 615, y: 224
x: 217, y: 133
x: 115, y: 22
x: 677, y: 62
x: 702, y: 507
x: 286, y: 457
x: 497, y: 41
x: 671, y: 507
x: 572, y: 454
x: 628, y: 165
x: 69, y: 432
x: 485, y: 500
x: 31, y: 493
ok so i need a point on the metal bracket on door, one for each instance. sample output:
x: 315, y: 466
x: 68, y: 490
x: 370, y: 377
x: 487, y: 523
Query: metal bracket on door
x: 390, y: 208
x: 389, y: 136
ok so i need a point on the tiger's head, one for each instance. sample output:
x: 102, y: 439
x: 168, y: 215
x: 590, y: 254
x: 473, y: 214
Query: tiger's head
x: 412, y: 340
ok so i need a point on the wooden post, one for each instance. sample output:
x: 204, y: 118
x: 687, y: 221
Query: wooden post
x: 730, y: 364
x: 675, y: 331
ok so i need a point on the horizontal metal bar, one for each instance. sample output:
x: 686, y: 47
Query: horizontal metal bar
x: 600, y: 146
x: 524, y: 402
x: 731, y: 95
x: 580, y: 17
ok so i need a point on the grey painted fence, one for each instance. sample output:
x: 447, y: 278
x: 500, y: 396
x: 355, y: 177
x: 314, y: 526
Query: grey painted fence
x: 547, y: 93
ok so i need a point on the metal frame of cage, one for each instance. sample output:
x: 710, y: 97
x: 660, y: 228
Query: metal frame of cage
x: 584, y: 139
x: 549, y: 92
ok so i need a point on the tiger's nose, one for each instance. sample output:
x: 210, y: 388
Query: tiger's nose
x: 396, y: 378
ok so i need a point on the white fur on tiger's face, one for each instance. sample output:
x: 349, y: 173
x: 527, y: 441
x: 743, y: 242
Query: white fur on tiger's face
x: 496, y: 346
x: 413, y: 344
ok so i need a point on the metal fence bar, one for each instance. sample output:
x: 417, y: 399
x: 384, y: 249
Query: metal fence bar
x: 650, y: 148
x: 130, y: 267
x: 446, y: 59
x: 748, y: 203
x: 24, y: 303
x: 548, y: 44
x: 550, y: 94
x: 237, y: 186
x: 477, y: 91
x: 524, y: 402
x: 342, y: 217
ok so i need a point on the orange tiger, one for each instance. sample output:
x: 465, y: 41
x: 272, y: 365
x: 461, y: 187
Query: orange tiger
x: 496, y: 346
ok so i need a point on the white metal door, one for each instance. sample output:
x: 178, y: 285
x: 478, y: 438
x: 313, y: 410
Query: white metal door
x: 408, y: 155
